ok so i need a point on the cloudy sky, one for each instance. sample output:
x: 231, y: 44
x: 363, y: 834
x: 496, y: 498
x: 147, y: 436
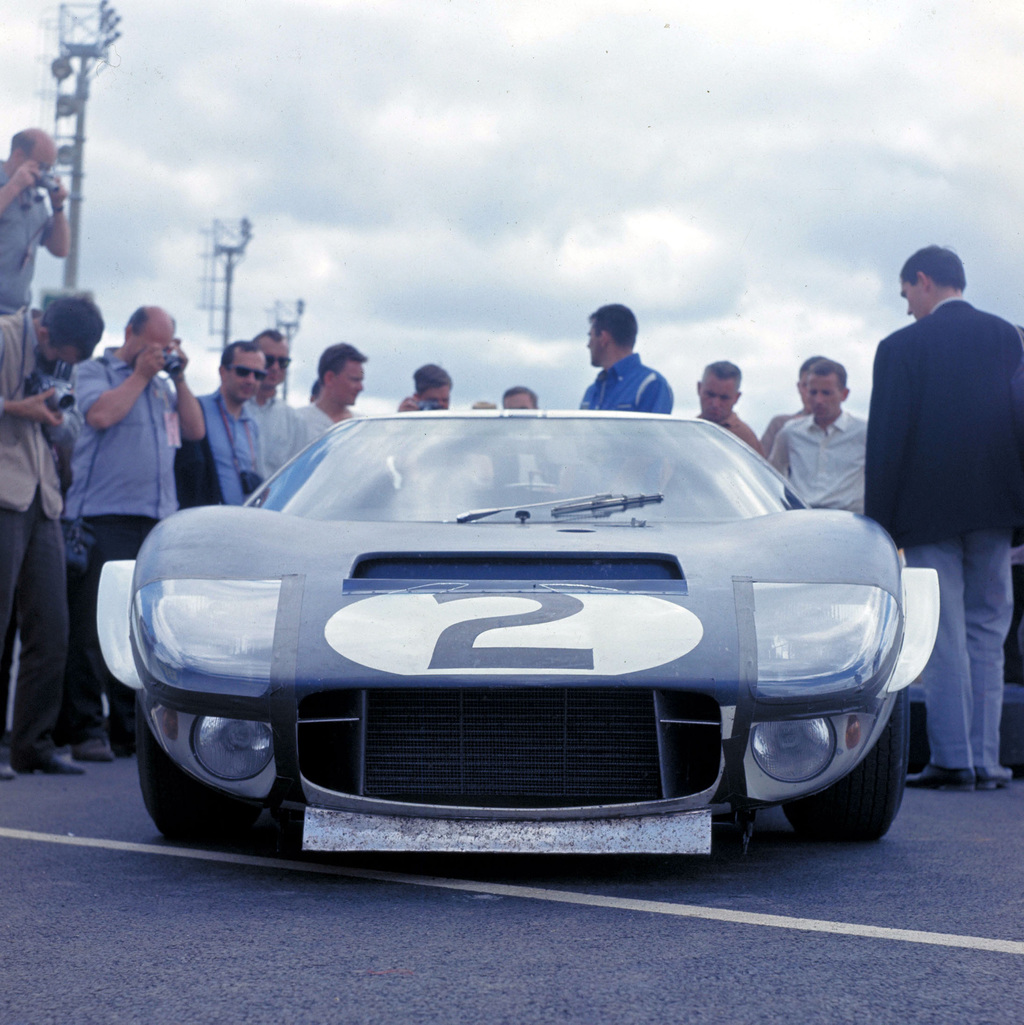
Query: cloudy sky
x: 464, y: 182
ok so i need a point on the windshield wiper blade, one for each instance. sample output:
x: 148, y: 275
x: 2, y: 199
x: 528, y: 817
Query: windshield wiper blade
x: 605, y: 505
x: 481, y: 514
x: 599, y: 505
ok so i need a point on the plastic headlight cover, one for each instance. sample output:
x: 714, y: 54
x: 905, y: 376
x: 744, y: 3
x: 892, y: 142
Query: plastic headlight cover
x: 232, y: 748
x: 214, y: 628
x: 821, y: 638
x: 792, y: 751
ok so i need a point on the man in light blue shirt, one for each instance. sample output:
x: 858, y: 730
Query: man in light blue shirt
x: 25, y: 224
x: 232, y: 433
x: 624, y: 382
x: 122, y: 485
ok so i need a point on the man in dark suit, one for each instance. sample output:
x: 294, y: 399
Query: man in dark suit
x: 944, y: 477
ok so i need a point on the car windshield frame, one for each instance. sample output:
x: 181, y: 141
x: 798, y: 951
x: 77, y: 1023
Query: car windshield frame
x: 437, y: 467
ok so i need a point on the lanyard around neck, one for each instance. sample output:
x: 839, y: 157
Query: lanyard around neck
x: 231, y: 436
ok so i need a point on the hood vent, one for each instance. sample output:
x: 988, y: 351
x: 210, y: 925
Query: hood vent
x: 526, y: 567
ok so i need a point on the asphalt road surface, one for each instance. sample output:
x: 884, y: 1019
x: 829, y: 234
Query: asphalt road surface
x: 105, y: 922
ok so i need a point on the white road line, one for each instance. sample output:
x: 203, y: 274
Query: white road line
x: 653, y: 907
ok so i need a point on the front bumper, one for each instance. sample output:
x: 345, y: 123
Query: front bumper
x: 680, y: 833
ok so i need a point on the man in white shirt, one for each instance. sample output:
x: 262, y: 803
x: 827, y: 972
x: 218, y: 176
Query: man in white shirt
x: 823, y: 454
x: 340, y: 376
x: 282, y: 433
x: 777, y: 422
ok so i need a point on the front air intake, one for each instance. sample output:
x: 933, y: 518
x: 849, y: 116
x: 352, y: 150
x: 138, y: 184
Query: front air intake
x: 543, y: 568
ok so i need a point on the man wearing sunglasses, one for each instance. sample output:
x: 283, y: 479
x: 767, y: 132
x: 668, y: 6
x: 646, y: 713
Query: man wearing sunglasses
x: 281, y: 433
x: 221, y: 469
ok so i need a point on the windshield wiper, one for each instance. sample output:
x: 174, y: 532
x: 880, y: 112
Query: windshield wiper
x: 603, y: 505
x: 482, y: 514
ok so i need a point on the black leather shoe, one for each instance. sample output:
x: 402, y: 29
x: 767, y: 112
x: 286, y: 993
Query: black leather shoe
x: 994, y: 779
x: 52, y: 765
x: 93, y: 749
x: 6, y: 772
x: 934, y: 777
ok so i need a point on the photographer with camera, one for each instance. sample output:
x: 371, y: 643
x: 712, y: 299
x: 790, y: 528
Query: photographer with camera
x: 26, y: 179
x: 31, y: 544
x: 433, y: 389
x: 122, y: 485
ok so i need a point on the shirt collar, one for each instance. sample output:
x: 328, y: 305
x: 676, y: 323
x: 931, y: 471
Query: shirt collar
x: 729, y: 422
x: 243, y: 413
x: 620, y: 368
x: 841, y: 423
x: 116, y: 361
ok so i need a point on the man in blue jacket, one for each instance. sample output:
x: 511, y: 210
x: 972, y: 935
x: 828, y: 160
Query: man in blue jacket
x: 624, y: 382
x: 944, y: 477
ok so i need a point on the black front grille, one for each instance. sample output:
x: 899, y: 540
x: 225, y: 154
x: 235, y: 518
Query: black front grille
x: 512, y: 746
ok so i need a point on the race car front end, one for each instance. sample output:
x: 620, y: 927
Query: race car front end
x: 595, y: 707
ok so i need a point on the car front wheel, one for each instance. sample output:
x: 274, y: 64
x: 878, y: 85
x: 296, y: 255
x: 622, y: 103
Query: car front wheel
x: 181, y: 806
x: 862, y: 805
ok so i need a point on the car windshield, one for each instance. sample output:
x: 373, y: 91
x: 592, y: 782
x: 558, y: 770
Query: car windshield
x: 489, y: 468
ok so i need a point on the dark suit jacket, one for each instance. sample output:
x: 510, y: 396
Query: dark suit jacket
x: 195, y: 474
x: 942, y: 454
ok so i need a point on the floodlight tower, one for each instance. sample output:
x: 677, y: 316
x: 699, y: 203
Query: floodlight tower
x: 86, y: 34
x: 286, y: 319
x: 228, y: 240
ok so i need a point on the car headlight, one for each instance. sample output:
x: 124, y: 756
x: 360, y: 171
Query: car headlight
x: 212, y: 628
x: 821, y: 638
x: 232, y: 748
x: 793, y: 750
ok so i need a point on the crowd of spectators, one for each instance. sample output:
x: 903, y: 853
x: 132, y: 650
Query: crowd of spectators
x: 129, y: 444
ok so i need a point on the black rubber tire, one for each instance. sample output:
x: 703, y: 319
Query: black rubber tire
x: 182, y: 807
x: 862, y: 805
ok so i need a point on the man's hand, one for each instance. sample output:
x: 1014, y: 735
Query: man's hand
x: 27, y: 176
x: 150, y: 361
x: 58, y: 196
x: 410, y: 404
x: 176, y: 350
x: 35, y: 408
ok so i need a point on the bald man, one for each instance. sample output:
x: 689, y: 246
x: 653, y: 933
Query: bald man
x: 26, y: 179
x: 138, y: 408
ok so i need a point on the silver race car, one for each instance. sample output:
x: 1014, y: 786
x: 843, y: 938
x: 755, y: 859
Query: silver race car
x: 519, y: 631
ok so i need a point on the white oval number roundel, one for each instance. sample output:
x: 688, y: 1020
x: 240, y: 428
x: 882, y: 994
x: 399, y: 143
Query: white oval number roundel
x: 513, y: 634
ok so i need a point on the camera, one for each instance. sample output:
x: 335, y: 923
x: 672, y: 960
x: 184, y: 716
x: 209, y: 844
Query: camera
x: 47, y: 180
x: 172, y: 363
x: 63, y: 397
x: 428, y: 404
x: 249, y: 480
